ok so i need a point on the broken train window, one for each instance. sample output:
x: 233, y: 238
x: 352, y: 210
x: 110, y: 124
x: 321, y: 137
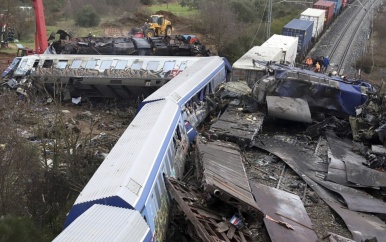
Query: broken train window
x: 168, y: 66
x: 183, y: 65
x: 106, y: 64
x: 91, y: 64
x: 75, y: 64
x: 152, y: 65
x: 137, y: 65
x: 61, y: 64
x: 121, y: 64
x: 47, y: 63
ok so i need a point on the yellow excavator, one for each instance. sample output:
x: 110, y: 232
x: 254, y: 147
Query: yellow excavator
x: 157, y: 26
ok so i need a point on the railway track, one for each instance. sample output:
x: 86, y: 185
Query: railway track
x: 342, y: 45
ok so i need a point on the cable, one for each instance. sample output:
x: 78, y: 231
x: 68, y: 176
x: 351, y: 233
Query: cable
x: 265, y: 8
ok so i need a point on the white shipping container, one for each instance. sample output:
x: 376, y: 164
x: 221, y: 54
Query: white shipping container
x: 245, y: 70
x: 288, y: 45
x: 317, y: 16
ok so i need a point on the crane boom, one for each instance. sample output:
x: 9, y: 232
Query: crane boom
x: 41, y: 42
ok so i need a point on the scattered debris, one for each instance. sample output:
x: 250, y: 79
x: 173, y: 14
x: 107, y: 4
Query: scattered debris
x: 283, y: 206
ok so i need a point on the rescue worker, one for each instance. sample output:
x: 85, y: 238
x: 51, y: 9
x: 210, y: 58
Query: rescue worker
x: 326, y: 63
x: 317, y: 67
x: 309, y: 62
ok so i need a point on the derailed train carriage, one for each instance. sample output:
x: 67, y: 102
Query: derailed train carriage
x: 127, y: 77
x: 155, y: 144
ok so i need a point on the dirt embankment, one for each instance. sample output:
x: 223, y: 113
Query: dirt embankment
x: 5, y: 60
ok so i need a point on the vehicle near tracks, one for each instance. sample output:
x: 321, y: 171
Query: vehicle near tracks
x: 158, y: 25
x: 155, y: 144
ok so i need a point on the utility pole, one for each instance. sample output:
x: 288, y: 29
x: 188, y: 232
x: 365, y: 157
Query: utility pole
x: 269, y: 20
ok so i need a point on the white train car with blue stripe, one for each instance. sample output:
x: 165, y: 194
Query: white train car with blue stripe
x: 155, y: 143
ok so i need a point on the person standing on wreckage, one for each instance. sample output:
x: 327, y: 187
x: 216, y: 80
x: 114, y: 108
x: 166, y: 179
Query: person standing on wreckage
x: 326, y: 63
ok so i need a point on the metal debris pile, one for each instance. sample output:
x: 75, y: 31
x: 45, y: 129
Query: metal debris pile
x: 177, y: 45
x: 277, y: 167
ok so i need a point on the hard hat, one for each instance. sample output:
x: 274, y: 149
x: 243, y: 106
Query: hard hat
x: 334, y: 72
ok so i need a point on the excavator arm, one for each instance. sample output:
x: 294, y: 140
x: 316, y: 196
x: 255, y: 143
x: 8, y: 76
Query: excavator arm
x: 41, y: 42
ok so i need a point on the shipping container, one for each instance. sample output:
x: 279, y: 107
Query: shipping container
x: 337, y: 6
x: 288, y: 44
x: 344, y: 3
x: 303, y: 30
x: 248, y: 68
x: 317, y: 16
x: 329, y: 7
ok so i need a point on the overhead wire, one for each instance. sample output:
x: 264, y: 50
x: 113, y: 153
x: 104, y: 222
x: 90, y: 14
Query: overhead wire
x: 258, y: 29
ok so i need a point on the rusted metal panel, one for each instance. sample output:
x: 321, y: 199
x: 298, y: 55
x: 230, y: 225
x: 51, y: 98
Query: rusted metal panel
x: 361, y: 225
x: 224, y: 175
x: 238, y: 127
x: 209, y: 226
x: 285, y: 207
x: 356, y: 172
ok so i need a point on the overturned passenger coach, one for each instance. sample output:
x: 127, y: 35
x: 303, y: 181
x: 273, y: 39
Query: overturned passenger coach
x: 155, y: 144
x: 110, y: 76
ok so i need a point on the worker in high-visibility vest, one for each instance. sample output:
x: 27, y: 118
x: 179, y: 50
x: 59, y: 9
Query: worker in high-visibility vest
x: 317, y: 67
x: 309, y: 62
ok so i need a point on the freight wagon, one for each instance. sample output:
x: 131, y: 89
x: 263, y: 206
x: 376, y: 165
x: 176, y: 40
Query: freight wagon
x: 288, y: 44
x: 337, y: 6
x: 248, y: 69
x: 317, y: 16
x: 329, y: 8
x: 303, y: 30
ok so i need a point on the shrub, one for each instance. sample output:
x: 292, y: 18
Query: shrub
x: 87, y: 17
x: 365, y: 63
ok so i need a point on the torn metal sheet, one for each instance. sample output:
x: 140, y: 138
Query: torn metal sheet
x: 205, y: 222
x: 356, y: 172
x: 361, y: 225
x: 378, y: 149
x: 337, y: 238
x: 224, y: 175
x: 337, y: 171
x: 235, y: 89
x: 238, y: 127
x: 337, y: 125
x: 294, y: 109
x: 286, y: 207
x: 307, y: 163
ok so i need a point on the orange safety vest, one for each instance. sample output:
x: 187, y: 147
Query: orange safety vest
x: 317, y: 67
x: 309, y: 61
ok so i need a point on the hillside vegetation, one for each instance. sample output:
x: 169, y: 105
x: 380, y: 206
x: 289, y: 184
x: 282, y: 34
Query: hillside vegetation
x: 230, y: 26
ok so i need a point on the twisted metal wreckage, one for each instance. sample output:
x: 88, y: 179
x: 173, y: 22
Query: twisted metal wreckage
x: 324, y: 103
x: 178, y: 45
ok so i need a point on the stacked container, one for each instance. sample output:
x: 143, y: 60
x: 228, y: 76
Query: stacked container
x: 329, y: 7
x: 248, y: 68
x: 344, y: 3
x: 317, y: 16
x: 288, y: 45
x: 303, y: 30
x: 337, y: 6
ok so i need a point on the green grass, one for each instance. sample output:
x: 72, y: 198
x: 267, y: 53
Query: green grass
x: 175, y: 8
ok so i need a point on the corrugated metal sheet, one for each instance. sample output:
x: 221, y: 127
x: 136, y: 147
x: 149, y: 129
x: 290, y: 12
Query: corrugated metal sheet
x: 317, y: 16
x: 188, y: 80
x: 301, y: 29
x: 260, y: 53
x: 127, y: 167
x: 106, y: 223
x: 288, y: 44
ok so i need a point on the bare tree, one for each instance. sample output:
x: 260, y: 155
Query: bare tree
x: 219, y: 22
